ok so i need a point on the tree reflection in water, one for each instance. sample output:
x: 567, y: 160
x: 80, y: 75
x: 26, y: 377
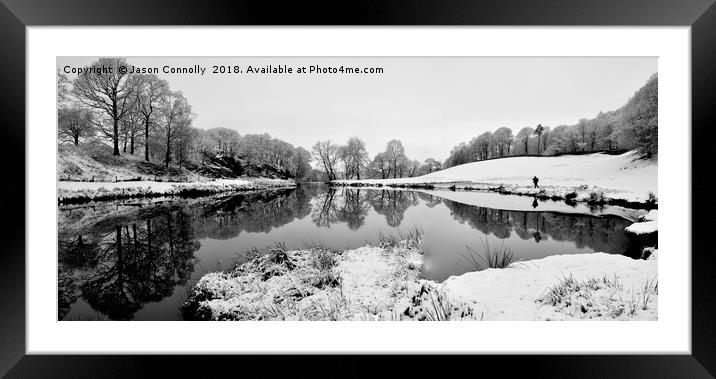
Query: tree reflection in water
x: 117, y: 271
x: 604, y: 234
x: 122, y: 261
x: 351, y: 206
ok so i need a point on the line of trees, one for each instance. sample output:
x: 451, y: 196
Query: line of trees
x: 633, y: 126
x: 116, y: 106
x: 352, y: 161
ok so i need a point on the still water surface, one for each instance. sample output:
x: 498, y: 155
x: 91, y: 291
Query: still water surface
x: 136, y: 261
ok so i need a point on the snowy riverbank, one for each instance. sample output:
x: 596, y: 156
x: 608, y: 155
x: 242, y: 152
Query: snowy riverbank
x: 562, y: 287
x: 646, y: 224
x: 595, y: 177
x: 382, y: 283
x: 76, y: 192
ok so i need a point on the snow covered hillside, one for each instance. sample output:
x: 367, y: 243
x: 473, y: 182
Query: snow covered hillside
x: 624, y: 177
x: 96, y: 162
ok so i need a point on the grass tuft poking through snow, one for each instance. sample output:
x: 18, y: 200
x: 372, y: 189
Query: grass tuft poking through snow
x: 432, y: 304
x: 498, y: 257
x: 597, y: 297
x: 412, y: 238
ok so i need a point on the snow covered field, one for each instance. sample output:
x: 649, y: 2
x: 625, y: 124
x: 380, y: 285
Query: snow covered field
x: 83, y: 191
x: 622, y: 177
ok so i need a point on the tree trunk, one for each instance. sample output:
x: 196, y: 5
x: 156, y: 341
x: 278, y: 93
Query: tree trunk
x: 131, y: 145
x: 115, y: 137
x: 146, y: 138
x: 538, y: 138
x: 167, y: 158
x: 77, y: 140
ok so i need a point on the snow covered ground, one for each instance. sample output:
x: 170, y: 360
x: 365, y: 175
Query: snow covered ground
x: 382, y: 283
x: 75, y: 191
x: 623, y: 177
x: 93, y: 162
x: 368, y: 283
x: 616, y: 291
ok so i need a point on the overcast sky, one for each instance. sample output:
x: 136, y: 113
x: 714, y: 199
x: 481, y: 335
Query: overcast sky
x: 431, y: 104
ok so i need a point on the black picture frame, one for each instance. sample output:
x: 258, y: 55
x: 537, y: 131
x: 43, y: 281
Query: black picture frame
x: 16, y: 15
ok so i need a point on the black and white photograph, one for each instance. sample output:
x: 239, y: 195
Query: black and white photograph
x: 357, y: 188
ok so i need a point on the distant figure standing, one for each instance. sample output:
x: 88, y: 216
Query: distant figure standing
x: 535, y: 181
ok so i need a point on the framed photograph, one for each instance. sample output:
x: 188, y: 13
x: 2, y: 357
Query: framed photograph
x: 378, y: 179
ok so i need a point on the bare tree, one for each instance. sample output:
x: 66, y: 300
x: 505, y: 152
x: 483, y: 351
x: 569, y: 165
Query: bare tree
x: 131, y: 126
x: 432, y: 165
x: 414, y: 168
x: 301, y: 163
x: 594, y: 129
x: 183, y: 135
x: 483, y: 143
x: 74, y: 123
x: 523, y: 137
x: 606, y: 131
x: 381, y: 165
x: 326, y: 154
x: 354, y: 157
x: 106, y: 87
x: 395, y: 152
x: 150, y: 90
x: 503, y: 140
x: 582, y: 127
x: 174, y: 109
x: 403, y: 166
